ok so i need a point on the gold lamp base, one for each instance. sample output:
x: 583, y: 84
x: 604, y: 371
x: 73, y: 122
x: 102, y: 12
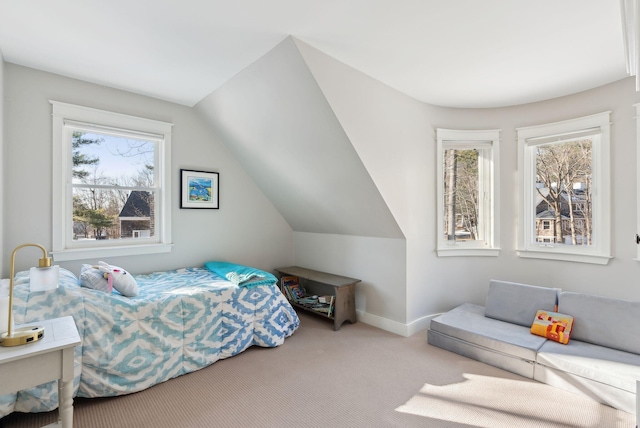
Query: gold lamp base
x: 22, y: 336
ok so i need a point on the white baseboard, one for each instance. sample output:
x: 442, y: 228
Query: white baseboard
x: 420, y: 324
x: 396, y: 327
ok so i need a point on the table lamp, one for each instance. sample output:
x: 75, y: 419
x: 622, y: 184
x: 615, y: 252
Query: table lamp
x: 26, y: 334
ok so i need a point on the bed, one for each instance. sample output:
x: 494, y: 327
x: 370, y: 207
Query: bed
x: 181, y: 321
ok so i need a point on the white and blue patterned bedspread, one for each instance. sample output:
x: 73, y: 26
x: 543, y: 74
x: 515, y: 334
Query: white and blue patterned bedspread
x: 181, y: 321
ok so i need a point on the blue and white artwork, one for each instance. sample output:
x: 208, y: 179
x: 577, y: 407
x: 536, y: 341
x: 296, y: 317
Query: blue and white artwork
x: 200, y: 189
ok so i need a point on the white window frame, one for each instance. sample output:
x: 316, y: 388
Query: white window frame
x: 529, y: 137
x: 637, y: 237
x: 63, y: 249
x: 488, y: 170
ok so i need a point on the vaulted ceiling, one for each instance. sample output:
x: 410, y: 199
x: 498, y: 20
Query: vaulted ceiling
x: 459, y: 53
x: 278, y: 123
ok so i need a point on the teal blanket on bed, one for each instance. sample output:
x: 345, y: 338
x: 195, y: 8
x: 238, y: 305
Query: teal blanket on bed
x: 242, y: 276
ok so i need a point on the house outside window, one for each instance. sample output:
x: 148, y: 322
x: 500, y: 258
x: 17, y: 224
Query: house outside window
x: 565, y: 190
x: 112, y: 184
x: 137, y: 216
x: 467, y: 197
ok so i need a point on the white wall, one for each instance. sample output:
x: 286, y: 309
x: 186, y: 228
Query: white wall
x: 278, y: 124
x: 246, y: 229
x: 378, y: 262
x: 393, y: 135
x: 618, y: 278
x: 404, y: 282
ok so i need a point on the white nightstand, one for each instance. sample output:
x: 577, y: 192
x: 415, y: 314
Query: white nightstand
x: 48, y: 359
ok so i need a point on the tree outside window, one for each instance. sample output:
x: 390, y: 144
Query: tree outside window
x: 112, y: 186
x: 563, y: 192
x: 461, y: 194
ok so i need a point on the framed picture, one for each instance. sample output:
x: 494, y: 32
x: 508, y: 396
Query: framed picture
x: 199, y: 189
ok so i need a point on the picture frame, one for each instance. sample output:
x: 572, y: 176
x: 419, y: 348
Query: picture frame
x: 199, y: 189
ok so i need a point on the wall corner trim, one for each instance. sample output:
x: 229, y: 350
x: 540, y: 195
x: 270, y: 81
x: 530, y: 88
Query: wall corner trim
x: 406, y: 330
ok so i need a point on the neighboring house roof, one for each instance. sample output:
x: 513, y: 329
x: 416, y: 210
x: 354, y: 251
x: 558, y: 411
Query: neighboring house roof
x: 137, y: 205
x: 549, y: 214
x: 541, y: 193
x: 544, y: 192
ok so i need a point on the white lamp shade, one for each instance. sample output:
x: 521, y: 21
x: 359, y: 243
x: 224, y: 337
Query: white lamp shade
x: 44, y: 278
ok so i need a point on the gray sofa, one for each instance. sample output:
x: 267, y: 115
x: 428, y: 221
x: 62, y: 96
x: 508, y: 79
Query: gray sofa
x: 601, y: 360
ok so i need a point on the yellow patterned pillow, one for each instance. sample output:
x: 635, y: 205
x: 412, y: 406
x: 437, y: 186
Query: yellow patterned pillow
x: 553, y: 325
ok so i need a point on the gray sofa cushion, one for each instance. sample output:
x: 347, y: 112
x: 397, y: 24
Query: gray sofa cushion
x: 518, y: 303
x: 467, y: 322
x: 605, y: 365
x: 602, y: 320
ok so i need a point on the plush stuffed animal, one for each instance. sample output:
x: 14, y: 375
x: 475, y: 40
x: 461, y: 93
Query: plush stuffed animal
x: 119, y: 279
x: 105, y: 277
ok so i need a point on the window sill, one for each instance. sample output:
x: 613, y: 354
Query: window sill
x: 468, y: 252
x: 567, y: 257
x: 104, y: 252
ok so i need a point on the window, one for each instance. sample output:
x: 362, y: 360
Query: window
x: 637, y: 106
x: 112, y: 184
x: 565, y: 198
x: 467, y: 169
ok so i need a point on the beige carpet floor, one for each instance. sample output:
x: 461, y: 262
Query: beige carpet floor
x: 358, y: 376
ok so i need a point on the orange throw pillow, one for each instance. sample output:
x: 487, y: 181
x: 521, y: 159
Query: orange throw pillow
x: 553, y: 326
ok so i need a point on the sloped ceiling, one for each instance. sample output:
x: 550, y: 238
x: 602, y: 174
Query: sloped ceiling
x: 277, y: 123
